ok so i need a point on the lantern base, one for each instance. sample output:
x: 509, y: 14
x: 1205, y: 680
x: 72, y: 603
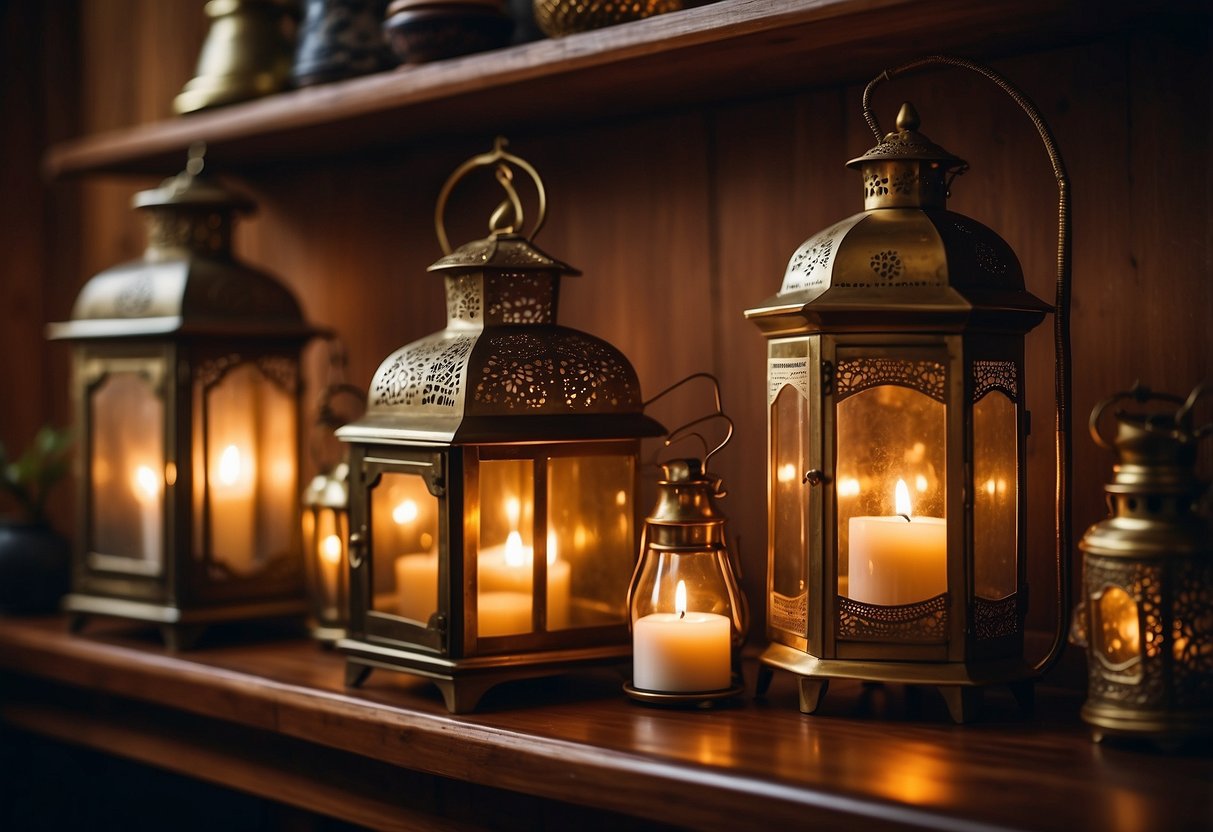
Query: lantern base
x: 1166, y: 730
x: 959, y: 683
x: 327, y: 634
x: 703, y: 699
x: 180, y: 628
x: 464, y: 681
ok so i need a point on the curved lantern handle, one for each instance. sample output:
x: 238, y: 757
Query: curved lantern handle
x: 510, y: 207
x: 1140, y: 394
x: 1061, y: 322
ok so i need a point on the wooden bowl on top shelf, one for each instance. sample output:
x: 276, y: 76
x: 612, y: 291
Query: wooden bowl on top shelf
x: 420, y: 31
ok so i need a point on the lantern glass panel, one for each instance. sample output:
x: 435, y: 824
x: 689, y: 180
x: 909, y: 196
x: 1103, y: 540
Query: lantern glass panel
x: 590, y: 539
x: 789, y: 511
x: 1117, y: 631
x: 325, y: 532
x: 995, y: 496
x: 127, y: 470
x: 891, y: 547
x: 246, y: 446
x: 505, y: 565
x: 404, y: 522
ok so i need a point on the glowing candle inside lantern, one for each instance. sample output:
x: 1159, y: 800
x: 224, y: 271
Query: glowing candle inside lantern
x: 330, y: 565
x: 681, y: 652
x: 509, y: 569
x: 146, y: 486
x: 233, y: 509
x: 900, y: 559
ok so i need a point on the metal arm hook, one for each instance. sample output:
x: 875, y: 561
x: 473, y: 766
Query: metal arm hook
x: 674, y: 435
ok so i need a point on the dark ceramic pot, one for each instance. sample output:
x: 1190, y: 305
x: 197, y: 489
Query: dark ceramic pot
x: 340, y: 39
x: 34, y: 567
x: 419, y: 32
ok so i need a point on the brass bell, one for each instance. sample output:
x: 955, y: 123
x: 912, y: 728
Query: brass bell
x: 248, y: 53
x: 1146, y: 617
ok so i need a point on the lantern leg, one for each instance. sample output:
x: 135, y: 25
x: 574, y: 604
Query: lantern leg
x: 812, y: 691
x: 765, y: 675
x: 463, y: 696
x: 77, y: 623
x: 355, y: 674
x: 178, y: 637
x: 963, y: 702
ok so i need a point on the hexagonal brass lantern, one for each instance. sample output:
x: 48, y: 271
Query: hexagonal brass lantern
x: 897, y: 441
x: 493, y: 479
x: 186, y: 388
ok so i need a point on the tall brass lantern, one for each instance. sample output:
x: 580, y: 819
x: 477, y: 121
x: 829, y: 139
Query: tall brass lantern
x: 493, y: 478
x: 897, y: 436
x: 185, y: 382
x: 1146, y: 617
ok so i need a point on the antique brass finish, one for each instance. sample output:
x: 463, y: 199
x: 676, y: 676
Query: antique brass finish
x: 1146, y: 618
x: 907, y: 314
x: 155, y: 341
x: 248, y: 53
x: 557, y: 18
x: 504, y: 420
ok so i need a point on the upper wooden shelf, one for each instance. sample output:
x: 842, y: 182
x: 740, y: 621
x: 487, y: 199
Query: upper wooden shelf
x: 759, y: 764
x: 717, y: 52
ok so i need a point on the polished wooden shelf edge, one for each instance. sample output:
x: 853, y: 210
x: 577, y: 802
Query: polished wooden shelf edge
x: 713, y: 52
x: 579, y: 741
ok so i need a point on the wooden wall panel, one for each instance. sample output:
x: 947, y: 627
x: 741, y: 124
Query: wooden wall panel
x: 680, y: 222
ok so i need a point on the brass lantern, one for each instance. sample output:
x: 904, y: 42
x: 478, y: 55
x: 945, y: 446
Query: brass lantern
x: 897, y: 438
x: 185, y: 383
x: 1146, y: 617
x: 326, y: 532
x: 493, y: 478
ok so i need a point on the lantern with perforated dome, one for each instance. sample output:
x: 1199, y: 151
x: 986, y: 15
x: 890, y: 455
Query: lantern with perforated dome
x: 897, y: 434
x: 493, y: 478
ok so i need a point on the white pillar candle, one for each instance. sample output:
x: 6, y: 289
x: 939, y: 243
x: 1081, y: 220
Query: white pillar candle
x: 681, y: 652
x: 417, y: 585
x: 503, y: 613
x: 233, y: 509
x: 330, y: 564
x: 147, y: 488
x: 510, y: 568
x: 897, y: 560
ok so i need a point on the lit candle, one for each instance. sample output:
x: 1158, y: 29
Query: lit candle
x: 681, y: 652
x: 233, y: 508
x: 510, y: 568
x: 503, y: 613
x: 146, y: 486
x: 900, y: 559
x: 417, y: 585
x: 330, y: 563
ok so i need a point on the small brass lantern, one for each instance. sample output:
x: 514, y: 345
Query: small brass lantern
x: 897, y: 437
x: 493, y: 478
x: 185, y: 382
x: 1146, y: 616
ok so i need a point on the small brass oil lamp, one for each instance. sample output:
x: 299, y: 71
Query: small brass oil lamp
x: 1146, y: 616
x: 897, y: 432
x: 493, y: 478
x: 185, y: 380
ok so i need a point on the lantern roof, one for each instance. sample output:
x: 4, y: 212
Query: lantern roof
x: 906, y: 263
x: 503, y: 370
x: 187, y: 283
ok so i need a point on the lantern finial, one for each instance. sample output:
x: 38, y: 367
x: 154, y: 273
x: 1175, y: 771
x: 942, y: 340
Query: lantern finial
x: 907, y: 118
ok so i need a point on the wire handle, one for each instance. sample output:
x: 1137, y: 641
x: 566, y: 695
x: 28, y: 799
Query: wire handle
x: 1061, y: 320
x: 507, y: 217
x: 684, y: 431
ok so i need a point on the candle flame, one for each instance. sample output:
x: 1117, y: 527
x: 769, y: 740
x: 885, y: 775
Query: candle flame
x: 230, y: 464
x: 406, y: 512
x: 145, y: 484
x: 901, y: 500
x: 330, y: 548
x: 787, y: 472
x: 621, y: 497
x: 513, y: 510
x: 680, y: 599
x: 514, y: 555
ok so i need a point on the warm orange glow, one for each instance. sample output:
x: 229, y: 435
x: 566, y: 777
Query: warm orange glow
x: 405, y: 512
x: 848, y: 487
x: 921, y: 483
x: 621, y: 498
x: 787, y: 472
x: 330, y: 548
x: 680, y: 598
x: 515, y: 556
x: 551, y: 548
x: 230, y: 466
x: 145, y: 485
x: 901, y: 499
x: 513, y: 511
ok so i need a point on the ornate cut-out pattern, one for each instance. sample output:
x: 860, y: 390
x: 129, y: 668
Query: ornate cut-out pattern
x: 1142, y: 584
x: 280, y: 370
x: 905, y: 182
x: 923, y: 623
x: 520, y: 298
x: 809, y: 264
x: 428, y: 372
x: 995, y: 619
x: 989, y: 259
x: 856, y: 375
x: 876, y: 185
x: 1192, y: 634
x: 791, y: 614
x: 887, y: 264
x: 813, y: 257
x: 574, y: 372
x: 463, y: 298
x: 135, y: 298
x: 207, y: 233
x: 995, y: 375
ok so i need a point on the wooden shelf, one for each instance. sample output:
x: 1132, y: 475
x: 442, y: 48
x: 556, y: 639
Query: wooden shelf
x: 717, y: 52
x: 577, y: 740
